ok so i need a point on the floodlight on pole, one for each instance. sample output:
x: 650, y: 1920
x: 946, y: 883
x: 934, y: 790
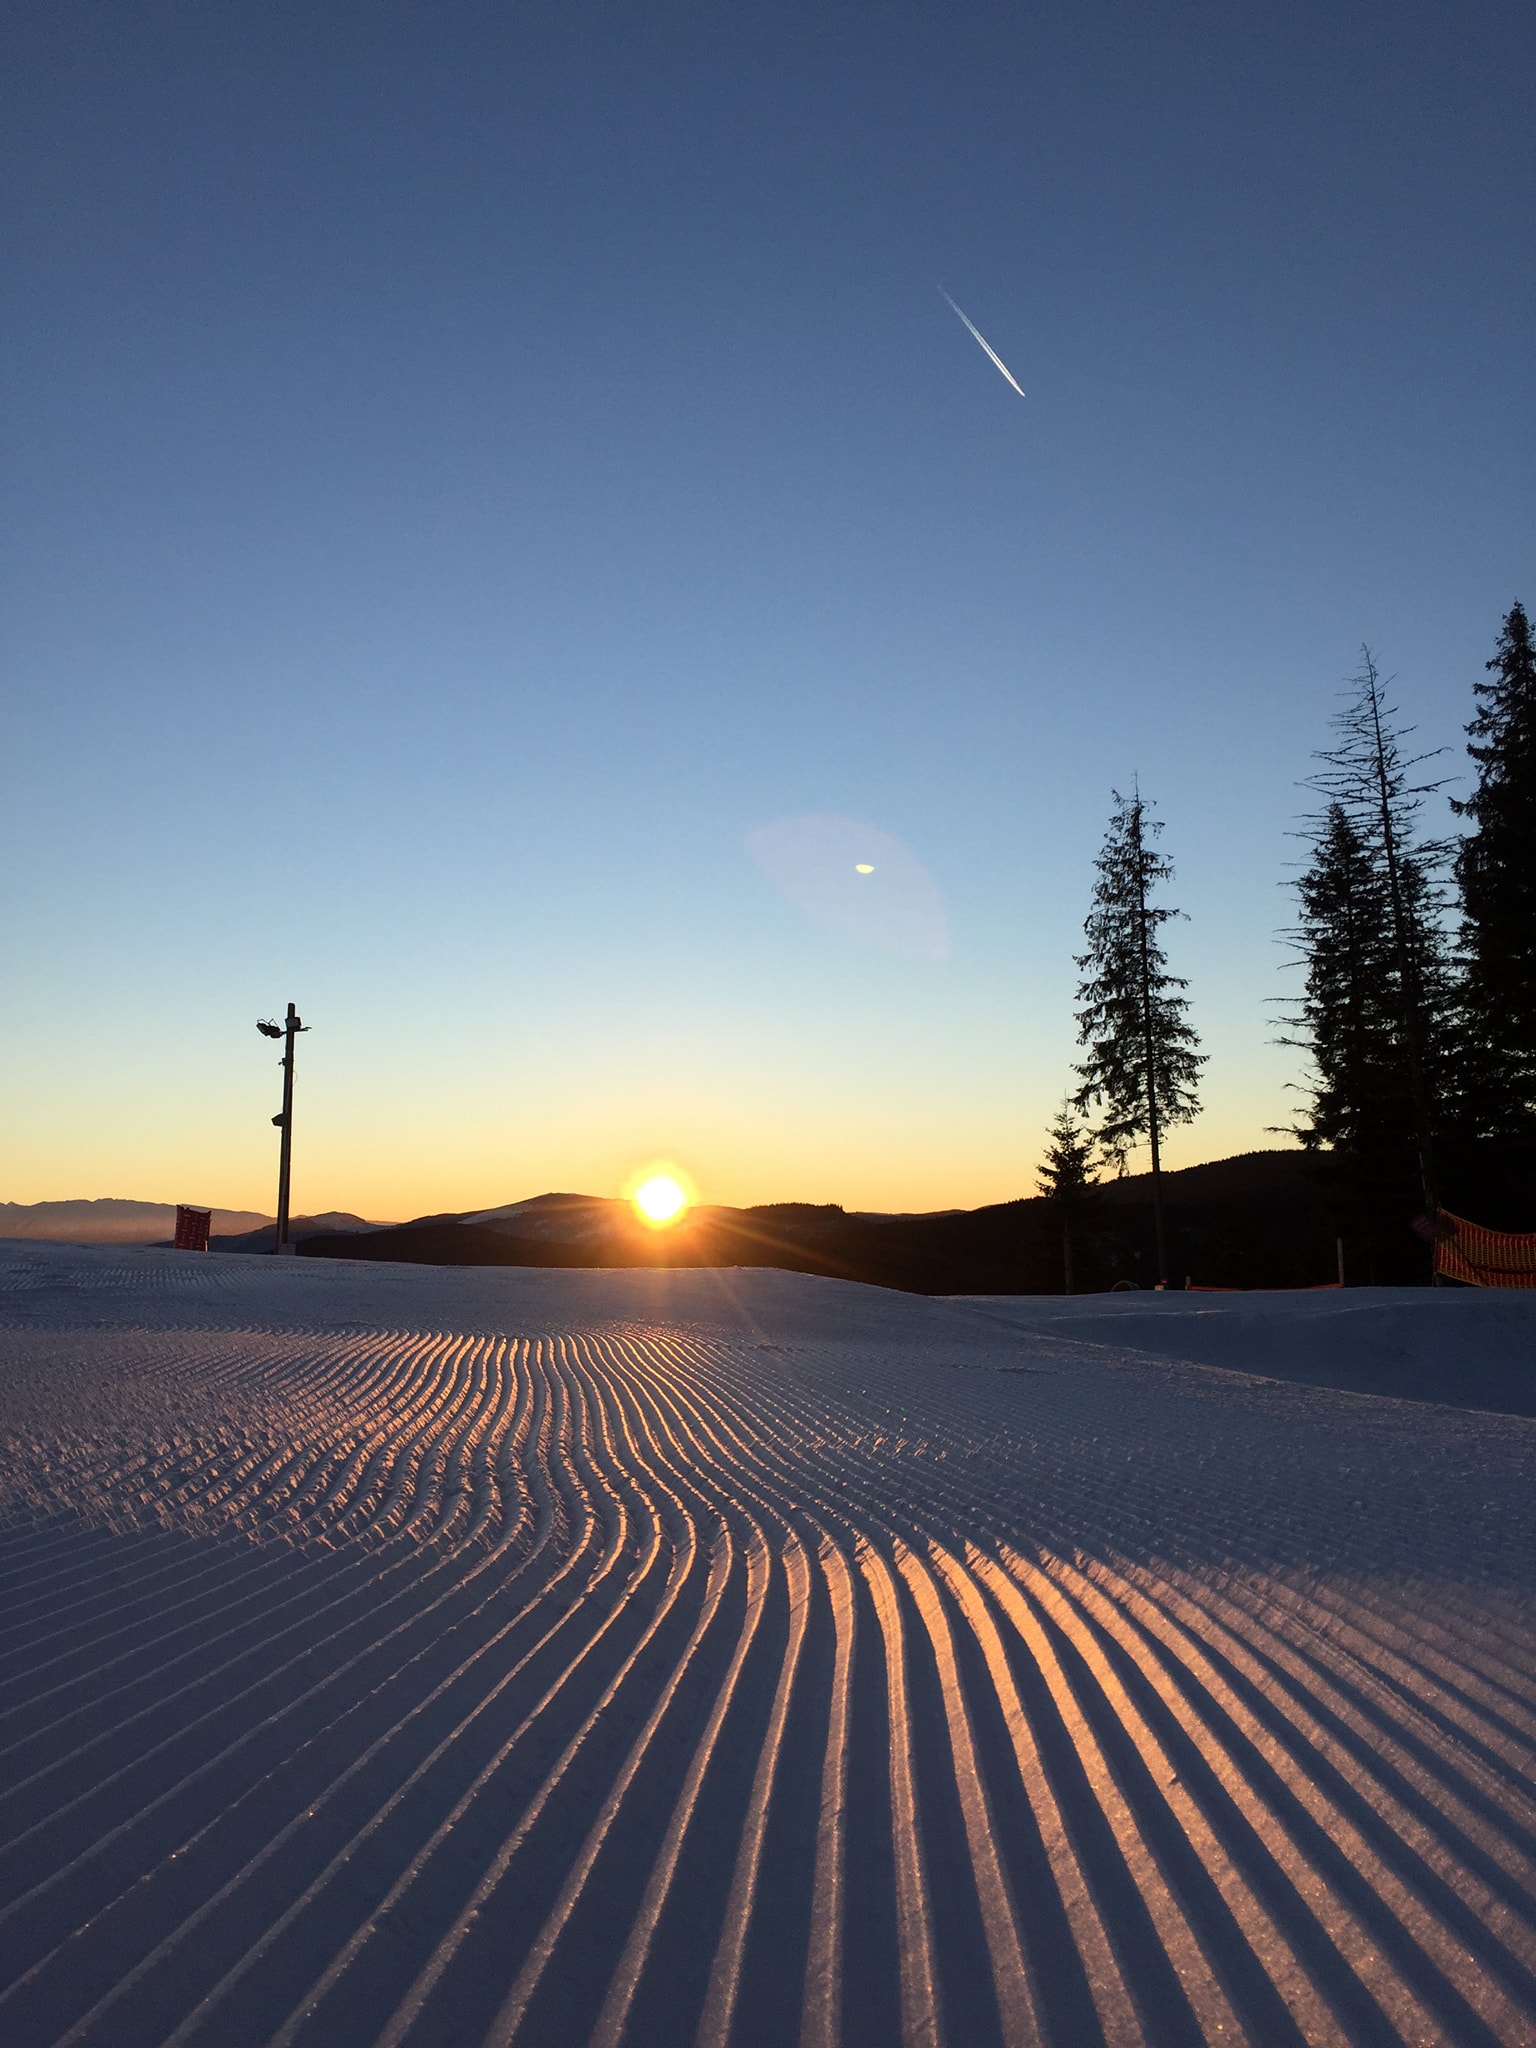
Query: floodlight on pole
x: 288, y: 1030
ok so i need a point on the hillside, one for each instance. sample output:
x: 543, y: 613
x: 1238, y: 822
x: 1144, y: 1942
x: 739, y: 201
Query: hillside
x: 1254, y: 1220
x: 264, y: 1237
x: 1259, y: 1219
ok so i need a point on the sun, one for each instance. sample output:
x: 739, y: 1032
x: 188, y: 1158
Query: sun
x: 660, y: 1195
x: 660, y: 1199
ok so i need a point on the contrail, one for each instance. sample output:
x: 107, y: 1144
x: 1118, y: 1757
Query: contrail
x: 982, y: 339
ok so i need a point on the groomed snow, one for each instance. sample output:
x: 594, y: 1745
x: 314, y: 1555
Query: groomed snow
x: 397, y: 1654
x: 1458, y: 1345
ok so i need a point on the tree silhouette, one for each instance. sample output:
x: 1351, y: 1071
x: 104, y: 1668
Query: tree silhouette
x: 1496, y: 867
x: 1067, y: 1179
x: 1142, y: 1068
x: 1368, y: 778
x: 1360, y: 1096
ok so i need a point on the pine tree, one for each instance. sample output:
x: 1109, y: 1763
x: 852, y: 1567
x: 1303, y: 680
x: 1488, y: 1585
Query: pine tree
x: 1496, y: 867
x: 1347, y: 1018
x: 1067, y: 1179
x: 1360, y: 1096
x: 1368, y: 778
x: 1142, y: 1068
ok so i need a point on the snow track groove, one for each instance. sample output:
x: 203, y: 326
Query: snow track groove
x: 397, y: 1658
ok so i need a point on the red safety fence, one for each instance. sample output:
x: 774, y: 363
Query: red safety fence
x: 192, y: 1228
x: 1483, y: 1258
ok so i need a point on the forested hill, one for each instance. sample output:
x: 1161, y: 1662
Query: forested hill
x: 1262, y: 1219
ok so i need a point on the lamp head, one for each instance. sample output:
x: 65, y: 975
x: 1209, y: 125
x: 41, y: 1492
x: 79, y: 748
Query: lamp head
x: 268, y: 1029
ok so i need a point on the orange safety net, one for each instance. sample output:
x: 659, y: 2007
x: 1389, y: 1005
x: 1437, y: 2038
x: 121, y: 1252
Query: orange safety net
x: 1483, y: 1258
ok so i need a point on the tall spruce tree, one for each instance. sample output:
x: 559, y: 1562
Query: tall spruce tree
x: 1348, y: 1014
x: 1067, y: 1181
x: 1142, y: 1069
x: 1359, y: 1111
x: 1496, y: 867
x: 1368, y: 778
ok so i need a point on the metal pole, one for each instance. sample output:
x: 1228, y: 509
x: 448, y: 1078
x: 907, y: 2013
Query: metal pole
x: 292, y: 1027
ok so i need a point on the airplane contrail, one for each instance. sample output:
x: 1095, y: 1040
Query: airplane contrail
x: 976, y: 332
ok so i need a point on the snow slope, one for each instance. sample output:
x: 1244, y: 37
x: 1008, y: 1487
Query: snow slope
x: 1470, y: 1348
x: 407, y: 1655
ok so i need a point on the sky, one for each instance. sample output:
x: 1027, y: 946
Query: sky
x: 498, y: 514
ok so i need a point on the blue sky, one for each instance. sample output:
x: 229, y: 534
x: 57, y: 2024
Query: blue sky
x: 470, y: 467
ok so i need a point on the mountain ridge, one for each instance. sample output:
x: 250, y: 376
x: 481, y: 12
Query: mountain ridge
x: 109, y: 1219
x: 1254, y: 1219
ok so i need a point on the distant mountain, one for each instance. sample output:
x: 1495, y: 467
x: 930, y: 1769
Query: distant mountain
x: 1261, y: 1219
x: 1256, y: 1220
x: 334, y: 1222
x: 553, y: 1219
x: 110, y: 1221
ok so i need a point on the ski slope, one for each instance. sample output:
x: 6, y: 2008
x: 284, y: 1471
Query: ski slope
x: 405, y: 1655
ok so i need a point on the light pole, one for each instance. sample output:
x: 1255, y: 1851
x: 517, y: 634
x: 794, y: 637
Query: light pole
x: 288, y: 1030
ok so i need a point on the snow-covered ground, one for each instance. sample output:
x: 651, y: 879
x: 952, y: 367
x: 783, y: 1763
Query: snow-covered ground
x: 396, y: 1654
x: 1459, y: 1345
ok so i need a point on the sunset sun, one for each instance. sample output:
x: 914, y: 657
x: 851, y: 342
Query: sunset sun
x: 659, y: 1199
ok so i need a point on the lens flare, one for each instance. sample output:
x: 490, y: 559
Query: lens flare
x: 860, y: 881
